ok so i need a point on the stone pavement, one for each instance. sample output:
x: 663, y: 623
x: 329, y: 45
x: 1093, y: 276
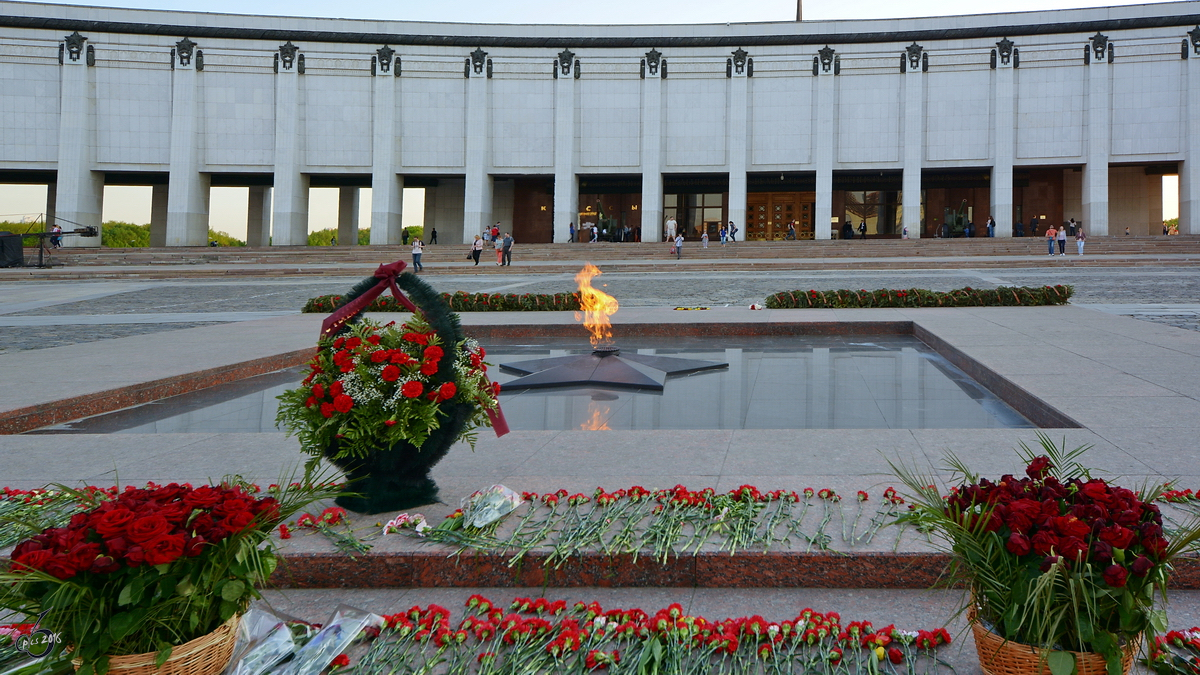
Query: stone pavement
x: 38, y: 314
x: 1132, y: 386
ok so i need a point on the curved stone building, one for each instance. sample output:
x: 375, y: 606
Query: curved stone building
x: 903, y: 124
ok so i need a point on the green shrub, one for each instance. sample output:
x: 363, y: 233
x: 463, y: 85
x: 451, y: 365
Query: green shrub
x: 462, y: 301
x: 1005, y: 296
x: 118, y: 234
x: 223, y: 239
x: 327, y: 236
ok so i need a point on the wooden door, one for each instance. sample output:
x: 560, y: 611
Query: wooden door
x: 770, y: 213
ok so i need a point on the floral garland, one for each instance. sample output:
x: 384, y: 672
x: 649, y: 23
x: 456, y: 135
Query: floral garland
x: 461, y: 301
x: 382, y: 384
x: 540, y: 636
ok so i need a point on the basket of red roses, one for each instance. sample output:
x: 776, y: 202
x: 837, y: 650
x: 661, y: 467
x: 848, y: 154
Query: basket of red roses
x: 152, y: 580
x: 1065, y: 570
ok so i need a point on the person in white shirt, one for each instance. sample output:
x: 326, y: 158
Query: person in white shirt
x: 678, y: 246
x: 672, y: 226
x: 418, y: 247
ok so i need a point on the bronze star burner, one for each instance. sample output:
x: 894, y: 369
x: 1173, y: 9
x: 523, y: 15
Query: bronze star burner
x: 605, y: 367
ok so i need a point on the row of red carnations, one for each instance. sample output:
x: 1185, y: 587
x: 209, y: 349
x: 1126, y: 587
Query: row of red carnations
x: 568, y: 630
x: 682, y: 496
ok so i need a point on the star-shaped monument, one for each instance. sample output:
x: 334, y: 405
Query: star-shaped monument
x: 604, y: 368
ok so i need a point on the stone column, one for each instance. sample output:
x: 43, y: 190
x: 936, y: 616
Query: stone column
x: 290, y: 202
x: 826, y: 104
x: 348, y: 216
x: 158, y: 214
x: 1004, y: 102
x: 477, y: 201
x: 566, y: 186
x: 258, y: 216
x: 652, y: 182
x: 1189, y: 168
x: 429, y: 222
x: 738, y: 128
x: 188, y: 190
x: 1097, y: 140
x: 79, y: 195
x: 913, y: 112
x: 51, y: 198
x: 387, y: 188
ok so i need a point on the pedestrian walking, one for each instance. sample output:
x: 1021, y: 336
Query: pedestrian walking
x: 1073, y: 226
x: 1019, y: 229
x: 1050, y: 235
x: 1126, y: 231
x: 56, y: 240
x: 499, y: 245
x: 678, y: 246
x: 404, y: 237
x: 791, y: 233
x: 991, y: 227
x: 496, y: 231
x: 1080, y: 237
x: 732, y: 232
x: 433, y: 236
x: 571, y: 233
x: 418, y: 247
x: 862, y: 229
x: 1062, y: 241
x: 507, y: 244
x: 672, y: 227
x: 724, y: 233
x: 704, y: 239
x: 595, y: 235
x: 476, y: 249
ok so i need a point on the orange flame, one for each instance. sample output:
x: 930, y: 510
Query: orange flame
x: 597, y: 422
x: 597, y: 307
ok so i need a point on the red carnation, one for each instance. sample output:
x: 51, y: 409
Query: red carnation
x: 390, y: 374
x: 327, y: 409
x: 340, y: 661
x: 336, y: 388
x: 148, y: 527
x: 417, y: 338
x: 412, y: 389
x: 318, y: 390
x: 429, y: 368
x: 434, y: 353
x: 895, y: 655
x: 1018, y: 544
x: 1039, y: 468
x: 164, y: 549
x: 1115, y: 576
x: 353, y: 342
x: 343, y: 403
x: 447, y: 391
x: 379, y: 356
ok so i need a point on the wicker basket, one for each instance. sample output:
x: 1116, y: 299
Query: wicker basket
x: 998, y: 656
x: 206, y: 655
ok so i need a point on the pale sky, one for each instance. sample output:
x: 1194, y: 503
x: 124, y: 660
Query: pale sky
x: 228, y: 205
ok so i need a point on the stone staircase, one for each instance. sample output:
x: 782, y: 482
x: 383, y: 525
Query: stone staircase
x: 551, y: 258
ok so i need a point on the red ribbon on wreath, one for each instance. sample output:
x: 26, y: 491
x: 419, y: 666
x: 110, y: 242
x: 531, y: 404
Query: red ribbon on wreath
x: 387, y: 280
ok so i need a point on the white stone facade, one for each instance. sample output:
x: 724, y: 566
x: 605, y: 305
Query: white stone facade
x: 184, y: 101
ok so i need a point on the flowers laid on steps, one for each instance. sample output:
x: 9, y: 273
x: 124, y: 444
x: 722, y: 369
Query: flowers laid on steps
x: 541, y: 636
x: 146, y: 568
x: 665, y: 522
x: 1058, y: 558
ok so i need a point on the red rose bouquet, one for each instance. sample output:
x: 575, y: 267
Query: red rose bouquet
x: 377, y: 385
x: 1056, y: 559
x: 149, y: 568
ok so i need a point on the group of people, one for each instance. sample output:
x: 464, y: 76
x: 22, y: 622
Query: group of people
x: 502, y: 244
x: 1060, y: 236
